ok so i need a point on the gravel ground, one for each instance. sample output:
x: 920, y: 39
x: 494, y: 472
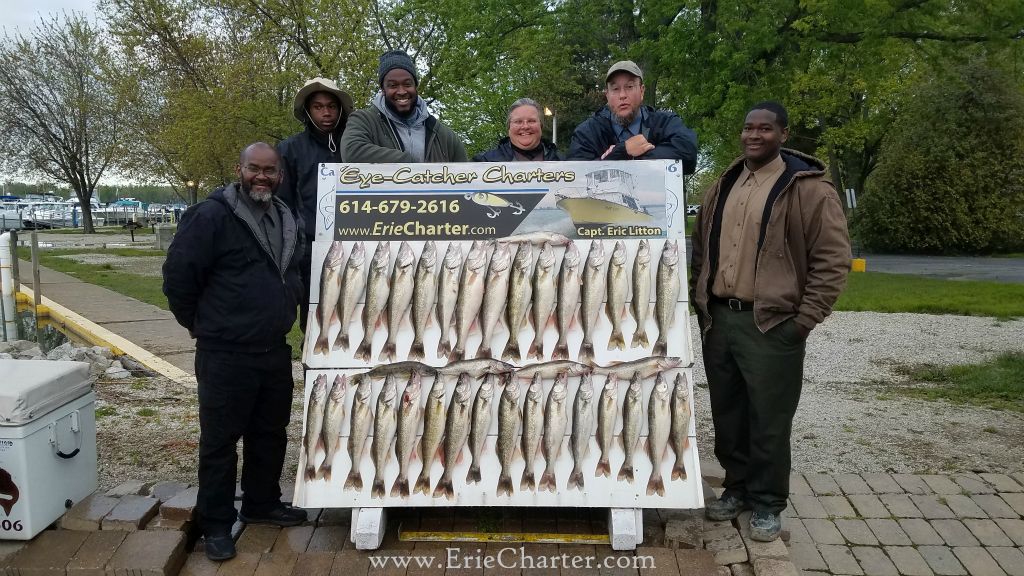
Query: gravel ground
x: 849, y: 420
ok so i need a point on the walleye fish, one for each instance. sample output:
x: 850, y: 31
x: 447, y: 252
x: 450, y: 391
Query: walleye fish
x: 498, y: 273
x: 554, y: 431
x: 544, y: 290
x: 330, y: 290
x: 607, y: 410
x: 680, y: 425
x: 667, y: 288
x: 334, y: 417
x: 592, y: 297
x: 456, y: 429
x: 377, y: 290
x: 537, y: 238
x: 508, y: 433
x: 353, y: 283
x: 553, y: 368
x: 423, y: 297
x: 641, y: 302
x: 533, y: 426
x: 402, y: 369
x: 471, y: 296
x: 568, y: 298
x: 582, y: 429
x: 384, y: 423
x: 314, y: 423
x: 632, y: 412
x: 658, y: 424
x: 618, y: 287
x: 477, y: 367
x: 405, y: 439
x: 479, y: 426
x: 402, y: 284
x: 433, y: 432
x: 520, y: 292
x: 359, y: 428
x: 647, y: 367
x: 448, y: 295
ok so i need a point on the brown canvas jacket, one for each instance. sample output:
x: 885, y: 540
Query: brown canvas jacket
x: 803, y: 248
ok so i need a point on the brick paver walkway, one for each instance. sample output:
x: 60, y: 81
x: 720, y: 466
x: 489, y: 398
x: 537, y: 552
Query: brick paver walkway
x: 877, y: 524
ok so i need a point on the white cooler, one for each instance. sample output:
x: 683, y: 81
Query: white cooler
x: 47, y: 443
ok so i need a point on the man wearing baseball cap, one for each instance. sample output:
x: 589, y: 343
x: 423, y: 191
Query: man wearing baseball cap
x: 397, y: 126
x: 323, y: 109
x: 626, y: 129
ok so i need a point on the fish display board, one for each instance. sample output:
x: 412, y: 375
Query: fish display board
x: 499, y: 334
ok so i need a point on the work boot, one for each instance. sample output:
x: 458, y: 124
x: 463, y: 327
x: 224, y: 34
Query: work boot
x: 725, y: 508
x: 219, y: 548
x: 765, y: 526
x: 283, y: 516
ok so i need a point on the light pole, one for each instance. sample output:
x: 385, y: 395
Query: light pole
x: 191, y: 192
x: 554, y: 125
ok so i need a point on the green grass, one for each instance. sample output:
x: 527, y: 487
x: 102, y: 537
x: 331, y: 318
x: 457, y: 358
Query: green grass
x: 102, y: 230
x: 880, y: 292
x: 997, y: 384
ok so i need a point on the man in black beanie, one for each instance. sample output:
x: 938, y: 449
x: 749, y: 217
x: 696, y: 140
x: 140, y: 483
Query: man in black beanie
x: 398, y: 127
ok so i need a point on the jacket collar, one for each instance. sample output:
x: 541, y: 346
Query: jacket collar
x: 797, y: 162
x: 230, y: 195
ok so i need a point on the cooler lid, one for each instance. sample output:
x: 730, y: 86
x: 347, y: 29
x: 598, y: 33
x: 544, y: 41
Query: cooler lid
x: 31, y: 388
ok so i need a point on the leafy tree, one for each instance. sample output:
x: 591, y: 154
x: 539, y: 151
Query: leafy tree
x: 951, y: 178
x: 58, y: 115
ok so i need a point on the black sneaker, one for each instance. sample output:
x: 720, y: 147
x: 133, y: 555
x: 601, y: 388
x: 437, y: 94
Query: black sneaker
x: 219, y: 548
x: 725, y: 508
x: 765, y: 526
x: 283, y: 516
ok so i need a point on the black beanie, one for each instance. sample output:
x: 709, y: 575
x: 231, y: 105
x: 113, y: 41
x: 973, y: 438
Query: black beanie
x: 395, y: 59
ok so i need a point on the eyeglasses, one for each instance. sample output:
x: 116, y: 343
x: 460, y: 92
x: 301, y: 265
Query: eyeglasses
x: 624, y: 89
x: 270, y: 172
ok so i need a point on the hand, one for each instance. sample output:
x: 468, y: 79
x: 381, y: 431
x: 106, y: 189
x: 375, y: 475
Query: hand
x: 803, y: 332
x: 638, y: 146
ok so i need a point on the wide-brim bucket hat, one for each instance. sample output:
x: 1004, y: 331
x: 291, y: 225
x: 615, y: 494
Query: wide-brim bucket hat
x: 320, y: 85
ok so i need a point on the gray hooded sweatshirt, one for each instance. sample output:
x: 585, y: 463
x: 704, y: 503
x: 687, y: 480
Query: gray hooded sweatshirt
x: 412, y: 130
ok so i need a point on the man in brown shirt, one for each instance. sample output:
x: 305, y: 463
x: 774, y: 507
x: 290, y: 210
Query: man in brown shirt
x: 769, y: 258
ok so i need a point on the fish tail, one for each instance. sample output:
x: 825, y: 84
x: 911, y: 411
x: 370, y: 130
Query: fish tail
x: 354, y: 481
x: 536, y: 350
x: 310, y: 471
x: 388, y: 351
x: 363, y: 351
x: 604, y: 468
x: 443, y: 486
x: 678, y: 472
x: 473, y: 476
x: 660, y: 347
x: 656, y: 485
x: 324, y: 472
x: 422, y: 485
x: 400, y: 487
x: 341, y: 342
x: 456, y: 354
x: 640, y: 339
x: 377, y: 491
x: 512, y: 350
x: 321, y: 346
x: 504, y: 485
x: 561, y: 351
x: 529, y: 481
x: 547, y: 481
x: 444, y: 348
x: 576, y: 480
x: 484, y: 352
x: 616, y: 341
x: 587, y: 351
x: 416, y: 352
x: 625, y: 473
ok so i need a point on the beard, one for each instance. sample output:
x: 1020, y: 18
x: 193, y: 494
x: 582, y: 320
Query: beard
x: 625, y: 120
x: 262, y: 196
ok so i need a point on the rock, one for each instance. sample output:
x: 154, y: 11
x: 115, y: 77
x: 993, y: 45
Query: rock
x: 102, y: 352
x: 30, y: 353
x: 62, y: 352
x: 6, y: 347
x: 21, y: 345
x: 116, y: 373
x: 6, y: 356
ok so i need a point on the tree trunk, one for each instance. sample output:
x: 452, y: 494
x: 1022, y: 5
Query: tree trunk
x: 87, y: 224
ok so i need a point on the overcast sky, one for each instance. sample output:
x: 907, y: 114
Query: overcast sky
x: 24, y: 15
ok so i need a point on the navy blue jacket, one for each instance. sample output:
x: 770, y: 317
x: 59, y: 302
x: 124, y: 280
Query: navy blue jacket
x: 221, y: 281
x: 503, y: 152
x: 671, y: 138
x: 302, y: 155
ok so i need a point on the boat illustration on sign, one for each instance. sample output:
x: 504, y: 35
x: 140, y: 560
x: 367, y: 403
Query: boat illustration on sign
x: 608, y: 198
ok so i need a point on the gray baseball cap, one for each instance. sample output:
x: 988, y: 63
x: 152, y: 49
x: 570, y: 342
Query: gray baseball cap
x: 624, y: 66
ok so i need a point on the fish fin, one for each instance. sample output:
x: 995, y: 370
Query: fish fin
x: 576, y: 481
x: 400, y: 487
x: 656, y: 485
x: 678, y: 472
x: 416, y: 352
x: 616, y: 341
x: 604, y: 468
x: 377, y: 491
x: 340, y: 341
x: 439, y: 489
x: 321, y: 345
x: 586, y: 352
x: 444, y: 348
x: 473, y: 476
x: 547, y: 482
x: 456, y: 354
x: 625, y: 473
x: 483, y: 352
x: 354, y: 480
x: 561, y: 352
x: 310, y: 471
x: 511, y: 351
x: 422, y: 484
x: 388, y: 351
x: 504, y: 485
x: 363, y: 351
x: 660, y: 348
x: 640, y: 339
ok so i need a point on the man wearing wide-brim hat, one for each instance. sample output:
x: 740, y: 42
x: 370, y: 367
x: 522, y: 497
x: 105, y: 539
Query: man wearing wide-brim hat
x: 323, y: 109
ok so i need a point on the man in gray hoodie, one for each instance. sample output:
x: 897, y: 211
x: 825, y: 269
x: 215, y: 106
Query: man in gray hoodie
x: 398, y: 127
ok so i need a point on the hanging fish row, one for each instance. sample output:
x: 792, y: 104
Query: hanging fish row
x: 499, y: 278
x: 534, y: 423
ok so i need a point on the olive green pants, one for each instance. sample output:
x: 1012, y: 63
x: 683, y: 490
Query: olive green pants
x: 754, y: 380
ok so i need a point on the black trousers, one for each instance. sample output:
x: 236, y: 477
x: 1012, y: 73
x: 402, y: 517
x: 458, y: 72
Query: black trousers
x: 248, y: 397
x: 754, y: 381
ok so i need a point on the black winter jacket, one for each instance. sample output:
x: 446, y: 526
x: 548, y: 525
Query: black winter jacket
x: 503, y: 152
x: 663, y: 128
x: 221, y: 281
x: 302, y: 155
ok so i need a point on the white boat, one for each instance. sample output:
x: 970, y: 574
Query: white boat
x: 608, y: 198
